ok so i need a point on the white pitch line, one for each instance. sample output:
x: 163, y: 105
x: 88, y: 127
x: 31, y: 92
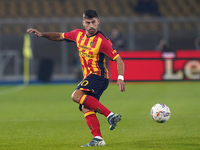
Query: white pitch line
x: 40, y: 120
x: 13, y: 89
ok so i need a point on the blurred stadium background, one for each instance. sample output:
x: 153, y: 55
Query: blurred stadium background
x: 43, y: 117
x: 178, y: 21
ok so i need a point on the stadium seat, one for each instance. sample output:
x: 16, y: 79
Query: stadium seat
x: 2, y: 9
x: 24, y: 9
x: 105, y: 8
x: 72, y: 8
x: 35, y: 9
x: 13, y: 9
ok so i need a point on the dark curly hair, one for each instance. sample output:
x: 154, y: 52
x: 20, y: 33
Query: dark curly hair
x: 89, y: 14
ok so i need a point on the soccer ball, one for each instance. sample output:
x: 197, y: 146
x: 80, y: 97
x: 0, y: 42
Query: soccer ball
x: 160, y: 113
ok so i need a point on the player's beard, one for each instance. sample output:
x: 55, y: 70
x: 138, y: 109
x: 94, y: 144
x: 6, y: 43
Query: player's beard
x: 92, y: 30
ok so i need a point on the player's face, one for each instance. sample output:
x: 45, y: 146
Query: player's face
x: 91, y: 25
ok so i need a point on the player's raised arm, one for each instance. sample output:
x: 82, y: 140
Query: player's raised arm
x: 120, y: 69
x: 54, y: 36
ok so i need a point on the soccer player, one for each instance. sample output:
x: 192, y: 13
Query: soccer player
x: 93, y: 46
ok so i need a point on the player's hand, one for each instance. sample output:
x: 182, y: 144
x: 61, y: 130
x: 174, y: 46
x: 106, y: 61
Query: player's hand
x: 121, y: 85
x: 36, y: 32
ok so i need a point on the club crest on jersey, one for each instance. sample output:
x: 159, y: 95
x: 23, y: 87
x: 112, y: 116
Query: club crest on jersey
x: 91, y: 43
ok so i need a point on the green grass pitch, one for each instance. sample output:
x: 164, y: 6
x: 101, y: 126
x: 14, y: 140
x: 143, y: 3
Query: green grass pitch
x: 43, y: 117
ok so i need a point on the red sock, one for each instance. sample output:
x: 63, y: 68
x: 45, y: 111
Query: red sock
x: 94, y: 104
x: 93, y: 123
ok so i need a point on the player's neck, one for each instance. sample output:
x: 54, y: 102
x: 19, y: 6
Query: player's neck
x: 89, y: 35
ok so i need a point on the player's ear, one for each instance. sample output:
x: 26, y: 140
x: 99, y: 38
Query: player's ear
x: 98, y: 20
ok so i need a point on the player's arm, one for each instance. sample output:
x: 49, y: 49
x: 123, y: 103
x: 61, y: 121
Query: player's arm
x: 54, y: 36
x: 120, y: 69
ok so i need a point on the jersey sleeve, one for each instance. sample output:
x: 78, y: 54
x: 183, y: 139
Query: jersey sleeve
x: 71, y: 36
x: 109, y: 49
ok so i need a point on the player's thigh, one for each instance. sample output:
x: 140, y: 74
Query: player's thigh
x: 93, y: 83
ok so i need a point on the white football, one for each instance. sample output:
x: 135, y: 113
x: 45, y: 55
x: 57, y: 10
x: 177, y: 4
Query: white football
x: 160, y: 113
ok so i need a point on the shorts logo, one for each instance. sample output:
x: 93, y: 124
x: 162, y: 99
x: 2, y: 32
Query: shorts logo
x: 85, y: 83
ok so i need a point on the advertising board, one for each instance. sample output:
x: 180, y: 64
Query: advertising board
x: 157, y: 66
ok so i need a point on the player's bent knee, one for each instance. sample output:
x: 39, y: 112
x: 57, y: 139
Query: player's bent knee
x: 74, y: 98
x: 76, y: 95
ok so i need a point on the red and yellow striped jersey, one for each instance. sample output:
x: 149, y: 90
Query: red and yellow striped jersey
x: 92, y: 51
